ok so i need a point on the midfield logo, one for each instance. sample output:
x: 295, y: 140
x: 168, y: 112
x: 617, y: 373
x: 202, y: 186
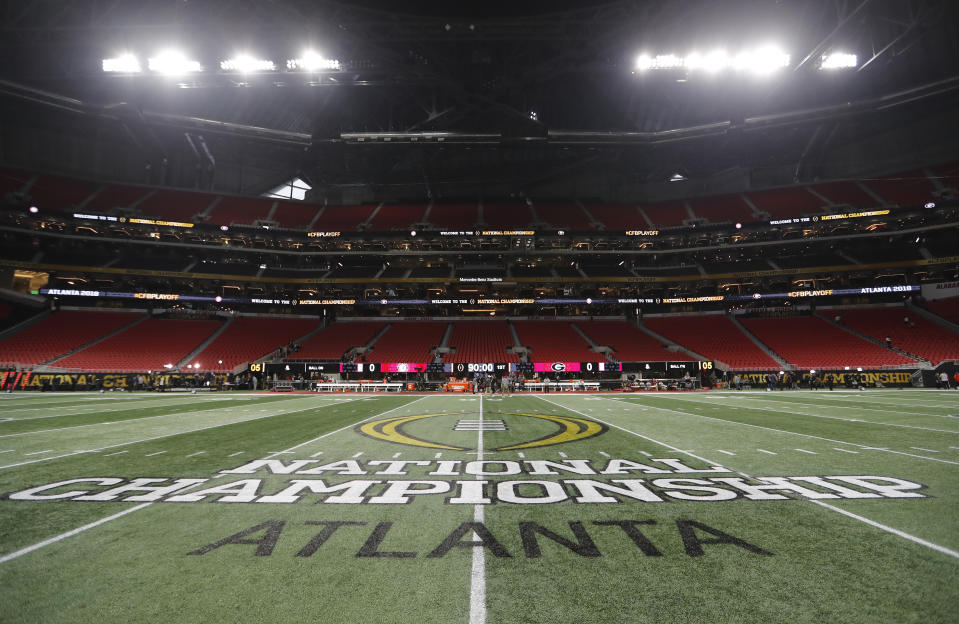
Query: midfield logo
x: 569, y: 429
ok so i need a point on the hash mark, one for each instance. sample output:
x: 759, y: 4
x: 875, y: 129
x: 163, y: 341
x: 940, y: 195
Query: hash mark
x: 395, y: 455
x: 805, y: 451
x: 39, y: 452
x: 604, y: 454
x: 197, y: 453
x: 7, y: 451
x: 152, y: 454
x: 237, y: 453
x: 437, y: 456
x: 645, y: 453
x: 725, y: 452
x: 355, y: 455
x: 117, y: 453
x: 521, y: 455
x: 836, y: 448
x: 923, y: 449
x: 765, y: 451
x: 562, y: 454
x: 316, y: 454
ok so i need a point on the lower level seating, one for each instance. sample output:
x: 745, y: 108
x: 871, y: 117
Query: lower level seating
x: 337, y: 339
x: 907, y: 331
x: 249, y: 338
x: 481, y: 341
x: 811, y: 342
x: 407, y: 342
x: 60, y: 333
x: 629, y: 343
x: 715, y: 337
x: 554, y: 342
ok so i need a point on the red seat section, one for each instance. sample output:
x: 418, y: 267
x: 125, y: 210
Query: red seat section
x: 507, y: 216
x: 565, y: 216
x: 115, y: 196
x: 810, y: 342
x: 60, y: 333
x: 629, y: 343
x: 666, y: 214
x: 786, y: 202
x: 910, y: 188
x: 481, y: 341
x: 244, y: 210
x: 145, y: 346
x: 722, y: 208
x: 946, y: 308
x: 554, y: 342
x: 397, y: 217
x: 175, y: 205
x: 294, y: 215
x: 713, y: 336
x: 12, y: 181
x: 846, y: 193
x: 407, y: 342
x: 60, y: 194
x: 337, y: 339
x: 250, y: 338
x: 454, y: 216
x: 343, y: 218
x: 918, y: 337
x: 618, y: 216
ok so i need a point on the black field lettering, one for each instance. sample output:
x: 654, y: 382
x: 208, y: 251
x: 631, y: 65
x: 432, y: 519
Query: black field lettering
x: 264, y: 545
x: 370, y: 548
x: 694, y: 544
x: 583, y: 546
x: 455, y: 540
x: 329, y: 528
x: 629, y: 527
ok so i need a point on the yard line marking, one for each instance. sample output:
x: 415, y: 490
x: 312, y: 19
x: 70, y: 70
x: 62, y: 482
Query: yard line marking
x: 724, y: 452
x: 7, y: 451
x: 478, y: 566
x: 355, y: 455
x: 234, y: 454
x: 317, y: 454
x: 562, y: 454
x: 437, y: 456
x: 765, y: 451
x: 955, y: 448
x: 605, y: 454
x: 844, y: 450
x: 63, y: 536
x: 868, y: 409
x: 192, y: 454
x: 38, y: 452
x: 152, y: 454
x: 117, y: 453
x: 872, y: 523
x: 870, y: 422
x: 805, y: 451
x: 919, y: 448
x: 889, y: 529
x: 521, y: 455
x: 804, y: 435
x: 395, y: 455
x: 167, y: 435
x: 645, y: 453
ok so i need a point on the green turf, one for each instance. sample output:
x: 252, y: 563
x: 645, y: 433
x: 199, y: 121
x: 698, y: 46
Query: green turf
x: 801, y: 562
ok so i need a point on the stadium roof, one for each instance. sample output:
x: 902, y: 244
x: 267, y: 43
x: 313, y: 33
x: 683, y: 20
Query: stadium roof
x: 443, y: 100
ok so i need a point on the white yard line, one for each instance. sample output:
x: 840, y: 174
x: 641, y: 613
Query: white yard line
x: 62, y: 536
x: 166, y: 435
x: 872, y: 523
x: 804, y: 435
x: 478, y: 567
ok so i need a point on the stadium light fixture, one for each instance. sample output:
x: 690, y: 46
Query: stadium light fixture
x: 123, y: 64
x: 34, y: 210
x: 311, y: 61
x: 763, y: 60
x: 168, y: 366
x: 173, y: 63
x: 247, y: 64
x: 839, y: 60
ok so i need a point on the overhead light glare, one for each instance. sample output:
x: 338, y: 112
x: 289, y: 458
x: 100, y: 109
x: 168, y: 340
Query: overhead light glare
x: 762, y: 60
x: 839, y: 60
x: 173, y: 63
x: 312, y: 61
x: 123, y: 64
x: 247, y: 64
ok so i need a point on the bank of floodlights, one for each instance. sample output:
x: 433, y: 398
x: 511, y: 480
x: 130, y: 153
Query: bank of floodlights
x: 247, y: 64
x: 173, y: 63
x: 759, y: 61
x: 311, y: 61
x: 124, y: 64
x: 838, y: 60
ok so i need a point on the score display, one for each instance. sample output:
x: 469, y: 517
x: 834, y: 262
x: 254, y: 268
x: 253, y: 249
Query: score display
x: 577, y: 367
x: 468, y: 368
x: 383, y: 367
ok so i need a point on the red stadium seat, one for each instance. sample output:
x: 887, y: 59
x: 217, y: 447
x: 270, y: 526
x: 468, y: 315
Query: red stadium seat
x: 481, y: 341
x: 61, y: 333
x: 407, y: 342
x: 629, y: 343
x: 554, y: 342
x: 250, y: 338
x: 337, y: 339
x: 713, y: 336
x: 918, y: 337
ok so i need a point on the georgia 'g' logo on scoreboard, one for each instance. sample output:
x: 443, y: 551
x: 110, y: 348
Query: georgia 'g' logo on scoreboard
x: 558, y: 367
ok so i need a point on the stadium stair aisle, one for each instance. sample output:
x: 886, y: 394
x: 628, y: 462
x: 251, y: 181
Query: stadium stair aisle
x: 629, y: 343
x: 554, y: 341
x: 481, y: 341
x: 61, y: 333
x: 918, y: 336
x: 250, y: 338
x: 334, y: 341
x: 407, y: 342
x: 712, y: 336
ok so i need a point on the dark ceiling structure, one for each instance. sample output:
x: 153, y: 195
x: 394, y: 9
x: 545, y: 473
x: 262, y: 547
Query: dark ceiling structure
x: 436, y: 101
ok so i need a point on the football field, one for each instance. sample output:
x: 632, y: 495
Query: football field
x: 647, y: 508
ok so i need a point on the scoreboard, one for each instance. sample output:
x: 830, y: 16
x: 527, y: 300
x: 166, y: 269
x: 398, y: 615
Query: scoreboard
x: 463, y: 369
x: 577, y: 367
